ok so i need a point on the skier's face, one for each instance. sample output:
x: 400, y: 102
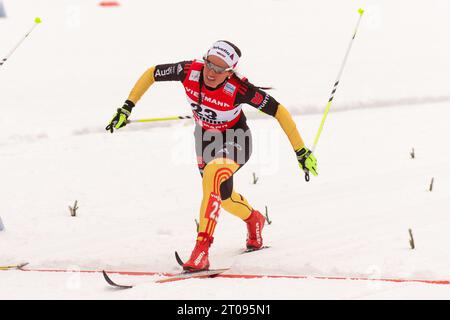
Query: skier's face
x: 211, y: 77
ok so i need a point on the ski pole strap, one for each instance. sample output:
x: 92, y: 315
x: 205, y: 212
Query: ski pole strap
x: 160, y: 119
x: 306, y: 175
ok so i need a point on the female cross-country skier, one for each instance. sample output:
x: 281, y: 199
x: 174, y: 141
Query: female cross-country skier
x: 216, y: 94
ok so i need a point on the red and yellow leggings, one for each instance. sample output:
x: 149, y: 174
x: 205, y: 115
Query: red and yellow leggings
x: 216, y: 174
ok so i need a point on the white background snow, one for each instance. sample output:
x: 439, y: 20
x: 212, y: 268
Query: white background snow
x: 139, y: 189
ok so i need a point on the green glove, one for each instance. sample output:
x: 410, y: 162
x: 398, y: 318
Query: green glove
x: 120, y: 118
x: 307, y: 162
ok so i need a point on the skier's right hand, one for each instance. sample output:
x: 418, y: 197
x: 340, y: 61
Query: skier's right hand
x: 120, y: 118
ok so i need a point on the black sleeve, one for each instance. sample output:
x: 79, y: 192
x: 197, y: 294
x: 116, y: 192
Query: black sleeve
x: 257, y: 98
x: 172, y: 71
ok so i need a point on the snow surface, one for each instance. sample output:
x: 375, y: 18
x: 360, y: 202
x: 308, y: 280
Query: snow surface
x: 139, y: 190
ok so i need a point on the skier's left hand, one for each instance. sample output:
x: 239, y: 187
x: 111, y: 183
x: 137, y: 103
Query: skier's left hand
x: 121, y: 117
x: 307, y: 162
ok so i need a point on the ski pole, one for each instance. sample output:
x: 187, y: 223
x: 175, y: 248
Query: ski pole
x: 327, y: 109
x: 36, y: 22
x: 160, y: 119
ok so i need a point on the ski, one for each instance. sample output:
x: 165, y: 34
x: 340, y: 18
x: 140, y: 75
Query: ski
x: 169, y: 278
x: 14, y: 266
x: 113, y: 284
x: 192, y: 275
x: 177, y: 257
x: 180, y: 276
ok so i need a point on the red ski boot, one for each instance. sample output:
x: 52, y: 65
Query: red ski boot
x: 255, y: 225
x: 199, y: 258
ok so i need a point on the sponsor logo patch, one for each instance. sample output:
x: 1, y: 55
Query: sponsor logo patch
x: 194, y: 76
x: 263, y: 104
x: 179, y: 69
x: 165, y: 72
x: 257, y: 99
x: 222, y: 49
x: 199, y: 258
x: 229, y: 89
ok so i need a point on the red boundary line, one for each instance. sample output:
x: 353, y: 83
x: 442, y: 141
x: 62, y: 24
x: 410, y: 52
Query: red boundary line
x: 248, y: 276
